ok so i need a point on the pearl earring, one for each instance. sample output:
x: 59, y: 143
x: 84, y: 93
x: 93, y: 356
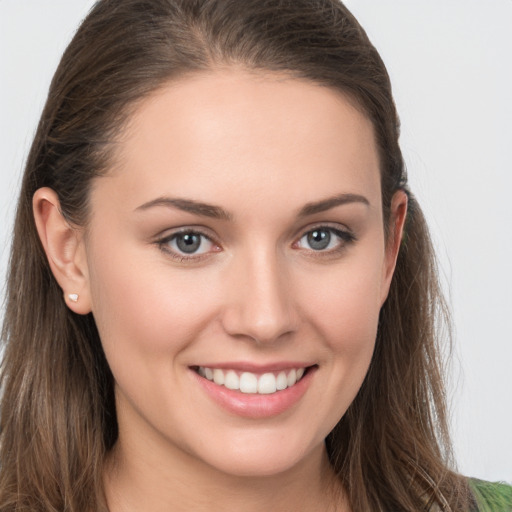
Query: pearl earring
x: 73, y: 297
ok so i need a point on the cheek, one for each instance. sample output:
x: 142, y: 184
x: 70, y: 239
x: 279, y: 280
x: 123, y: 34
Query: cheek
x: 350, y: 329
x: 344, y: 312
x: 140, y: 305
x: 346, y: 304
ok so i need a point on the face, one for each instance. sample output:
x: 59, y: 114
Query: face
x: 236, y: 264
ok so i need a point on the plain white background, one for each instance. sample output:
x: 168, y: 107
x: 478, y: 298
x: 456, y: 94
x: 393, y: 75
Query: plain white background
x: 451, y: 67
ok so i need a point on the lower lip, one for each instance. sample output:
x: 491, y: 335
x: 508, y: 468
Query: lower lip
x: 253, y: 405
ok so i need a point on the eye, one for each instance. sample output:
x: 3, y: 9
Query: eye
x: 187, y: 244
x: 324, y: 239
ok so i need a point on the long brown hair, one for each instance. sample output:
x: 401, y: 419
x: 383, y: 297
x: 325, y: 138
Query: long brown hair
x: 391, y: 449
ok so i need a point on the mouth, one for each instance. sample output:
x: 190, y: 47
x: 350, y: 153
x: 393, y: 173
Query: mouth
x: 264, y: 383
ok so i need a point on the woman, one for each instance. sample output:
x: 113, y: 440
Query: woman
x: 234, y: 288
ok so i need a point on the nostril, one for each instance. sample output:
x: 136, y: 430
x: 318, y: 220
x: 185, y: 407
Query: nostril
x: 259, y: 305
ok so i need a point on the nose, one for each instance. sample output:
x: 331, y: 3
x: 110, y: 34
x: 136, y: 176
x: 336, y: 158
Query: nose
x: 260, y: 304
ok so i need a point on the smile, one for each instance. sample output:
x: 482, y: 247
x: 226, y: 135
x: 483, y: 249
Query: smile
x: 253, y: 383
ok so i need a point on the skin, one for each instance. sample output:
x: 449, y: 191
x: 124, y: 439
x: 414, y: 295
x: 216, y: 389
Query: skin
x: 262, y: 148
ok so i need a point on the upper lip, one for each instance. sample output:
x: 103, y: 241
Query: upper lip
x: 244, y: 366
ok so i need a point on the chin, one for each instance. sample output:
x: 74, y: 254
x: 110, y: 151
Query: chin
x: 260, y: 457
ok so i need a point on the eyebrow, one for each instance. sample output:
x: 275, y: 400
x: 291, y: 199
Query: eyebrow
x: 216, y: 212
x: 332, y: 202
x: 188, y: 205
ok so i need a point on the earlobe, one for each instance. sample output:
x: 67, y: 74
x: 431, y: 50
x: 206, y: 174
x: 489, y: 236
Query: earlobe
x: 64, y: 248
x: 398, y: 214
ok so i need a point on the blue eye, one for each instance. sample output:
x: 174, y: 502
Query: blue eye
x: 324, y: 239
x: 187, y: 243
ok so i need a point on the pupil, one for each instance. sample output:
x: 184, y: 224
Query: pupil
x: 319, y: 239
x: 188, y: 243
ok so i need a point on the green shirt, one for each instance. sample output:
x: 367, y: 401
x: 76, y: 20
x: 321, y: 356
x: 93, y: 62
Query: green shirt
x: 491, y: 497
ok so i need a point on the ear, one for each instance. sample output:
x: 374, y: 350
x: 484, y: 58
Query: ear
x: 398, y: 214
x: 64, y: 248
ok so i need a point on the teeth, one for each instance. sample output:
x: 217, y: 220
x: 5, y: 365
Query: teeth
x: 231, y: 380
x: 282, y: 381
x: 292, y: 378
x: 267, y: 384
x: 248, y: 382
x: 218, y: 377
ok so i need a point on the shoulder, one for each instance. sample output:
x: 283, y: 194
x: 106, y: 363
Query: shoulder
x: 491, y: 497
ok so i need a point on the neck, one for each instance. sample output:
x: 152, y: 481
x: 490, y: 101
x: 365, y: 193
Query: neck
x: 151, y: 481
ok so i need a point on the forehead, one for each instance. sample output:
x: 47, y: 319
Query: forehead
x: 234, y: 134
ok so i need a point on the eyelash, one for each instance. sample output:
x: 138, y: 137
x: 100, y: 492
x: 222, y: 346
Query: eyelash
x: 344, y: 238
x: 163, y: 244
